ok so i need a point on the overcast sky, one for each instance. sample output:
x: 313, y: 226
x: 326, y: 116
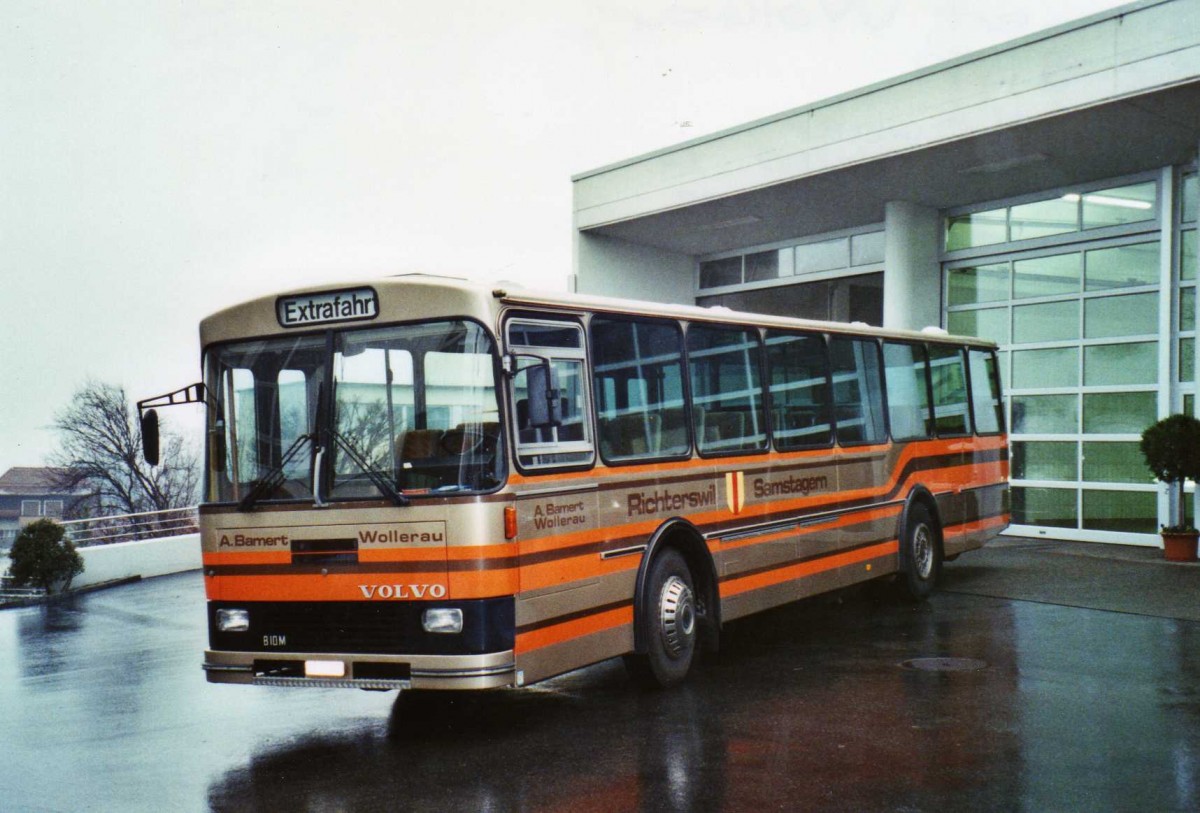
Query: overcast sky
x: 161, y: 160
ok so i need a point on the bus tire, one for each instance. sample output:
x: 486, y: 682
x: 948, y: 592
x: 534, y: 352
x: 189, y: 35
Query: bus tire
x: 920, y: 554
x: 667, y: 624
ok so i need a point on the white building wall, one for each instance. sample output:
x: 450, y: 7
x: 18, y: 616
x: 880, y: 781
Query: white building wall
x: 607, y: 266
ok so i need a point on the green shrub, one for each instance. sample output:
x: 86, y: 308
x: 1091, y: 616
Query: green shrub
x: 42, y: 557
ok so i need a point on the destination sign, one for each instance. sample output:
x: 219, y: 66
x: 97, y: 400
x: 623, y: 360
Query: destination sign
x: 321, y: 308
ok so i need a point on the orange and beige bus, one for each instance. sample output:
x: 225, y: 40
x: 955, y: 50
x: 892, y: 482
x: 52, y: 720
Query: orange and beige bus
x: 421, y: 482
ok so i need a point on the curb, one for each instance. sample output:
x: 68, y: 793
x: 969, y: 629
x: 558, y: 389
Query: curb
x: 58, y: 597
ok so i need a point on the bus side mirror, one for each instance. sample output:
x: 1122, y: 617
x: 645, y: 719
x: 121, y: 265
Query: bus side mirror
x: 545, y: 403
x: 150, y: 436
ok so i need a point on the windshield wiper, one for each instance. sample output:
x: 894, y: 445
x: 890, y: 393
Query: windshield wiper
x: 376, y: 477
x: 274, y: 478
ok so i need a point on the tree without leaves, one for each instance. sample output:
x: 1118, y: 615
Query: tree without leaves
x: 101, y: 447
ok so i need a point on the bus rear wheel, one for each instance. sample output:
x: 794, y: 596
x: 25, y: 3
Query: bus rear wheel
x: 920, y: 555
x: 667, y: 624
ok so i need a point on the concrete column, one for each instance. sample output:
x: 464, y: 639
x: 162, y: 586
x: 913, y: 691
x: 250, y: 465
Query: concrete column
x: 912, y: 289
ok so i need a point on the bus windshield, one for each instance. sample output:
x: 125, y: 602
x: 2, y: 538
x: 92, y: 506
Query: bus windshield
x: 354, y: 414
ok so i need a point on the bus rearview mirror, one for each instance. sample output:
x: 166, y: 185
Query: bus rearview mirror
x: 545, y: 402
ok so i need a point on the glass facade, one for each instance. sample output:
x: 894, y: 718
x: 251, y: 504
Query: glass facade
x: 1069, y: 285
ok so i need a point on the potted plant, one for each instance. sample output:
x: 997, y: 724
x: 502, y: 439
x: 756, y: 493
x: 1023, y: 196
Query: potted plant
x: 1171, y: 448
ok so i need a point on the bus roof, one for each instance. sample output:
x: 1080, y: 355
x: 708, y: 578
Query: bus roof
x: 427, y: 295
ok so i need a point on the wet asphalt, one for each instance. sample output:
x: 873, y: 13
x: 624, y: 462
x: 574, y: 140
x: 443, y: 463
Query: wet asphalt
x: 1034, y: 680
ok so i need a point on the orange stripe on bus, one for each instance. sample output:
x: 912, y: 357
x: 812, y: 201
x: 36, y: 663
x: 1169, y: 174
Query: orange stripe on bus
x: 575, y: 628
x: 737, y: 585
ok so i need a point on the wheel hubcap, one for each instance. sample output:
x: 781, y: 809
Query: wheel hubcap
x: 677, y: 615
x: 923, y: 551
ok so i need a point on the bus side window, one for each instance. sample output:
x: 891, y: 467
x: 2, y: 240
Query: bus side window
x: 798, y: 372
x: 949, y: 377
x: 638, y: 380
x: 727, y: 397
x: 857, y: 391
x: 906, y: 371
x: 985, y: 392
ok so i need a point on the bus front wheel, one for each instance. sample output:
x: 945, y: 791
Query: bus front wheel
x: 920, y: 554
x: 667, y: 625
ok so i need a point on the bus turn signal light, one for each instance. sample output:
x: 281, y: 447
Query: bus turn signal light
x: 510, y: 522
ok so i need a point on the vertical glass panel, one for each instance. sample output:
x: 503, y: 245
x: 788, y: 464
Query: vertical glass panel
x: 866, y: 249
x: 1191, y: 197
x: 1044, y: 218
x: 1122, y: 511
x: 1054, y: 367
x: 1189, y: 405
x: 1188, y: 254
x: 765, y: 265
x: 823, y: 256
x: 1118, y: 412
x: 978, y: 229
x: 1045, y: 414
x: 727, y: 396
x: 1048, y: 322
x: 1132, y: 315
x: 986, y: 323
x: 1114, y: 462
x: 799, y: 376
x: 1122, y: 266
x: 907, y: 390
x: 540, y: 442
x: 1045, y: 460
x: 857, y: 391
x: 1052, y: 507
x: 1123, y: 204
x: 1187, y: 309
x: 981, y: 283
x: 1111, y: 364
x: 716, y: 273
x: 638, y: 382
x: 949, y: 380
x: 985, y: 392
x: 1046, y: 276
x: 1187, y: 360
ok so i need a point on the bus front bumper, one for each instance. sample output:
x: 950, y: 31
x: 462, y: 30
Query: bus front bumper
x: 359, y: 671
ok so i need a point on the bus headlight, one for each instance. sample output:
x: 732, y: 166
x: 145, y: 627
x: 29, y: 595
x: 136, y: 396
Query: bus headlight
x: 442, y: 619
x: 233, y: 620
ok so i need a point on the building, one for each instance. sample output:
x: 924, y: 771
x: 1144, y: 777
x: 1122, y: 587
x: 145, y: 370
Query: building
x: 1041, y: 193
x: 28, y: 494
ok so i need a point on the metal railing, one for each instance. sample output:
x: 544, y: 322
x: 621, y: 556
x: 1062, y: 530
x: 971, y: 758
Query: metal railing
x: 128, y: 527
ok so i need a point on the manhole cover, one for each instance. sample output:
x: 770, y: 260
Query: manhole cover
x: 945, y: 664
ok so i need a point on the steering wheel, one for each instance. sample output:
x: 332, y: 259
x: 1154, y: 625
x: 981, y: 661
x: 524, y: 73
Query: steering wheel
x: 460, y: 441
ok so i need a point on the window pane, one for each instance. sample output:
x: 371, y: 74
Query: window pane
x: 1045, y: 460
x: 1114, y: 462
x: 765, y: 265
x: 1187, y: 359
x: 1053, y: 507
x: 1054, y: 367
x: 1046, y: 276
x: 1123, y: 511
x: 823, y: 256
x: 988, y: 323
x: 1124, y: 204
x: 1046, y: 217
x: 800, y: 405
x: 1187, y: 269
x: 907, y: 391
x: 1187, y: 309
x: 639, y: 388
x: 1133, y: 315
x: 1118, y: 412
x: 1048, y: 322
x: 1191, y: 197
x: 979, y: 229
x: 1122, y: 267
x: 985, y: 392
x: 949, y: 379
x: 715, y: 273
x: 982, y: 283
x: 867, y: 248
x: 1045, y: 414
x: 857, y: 391
x: 727, y: 397
x: 1106, y: 364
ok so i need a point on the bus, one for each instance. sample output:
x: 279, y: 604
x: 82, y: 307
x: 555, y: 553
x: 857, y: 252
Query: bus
x: 420, y: 482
